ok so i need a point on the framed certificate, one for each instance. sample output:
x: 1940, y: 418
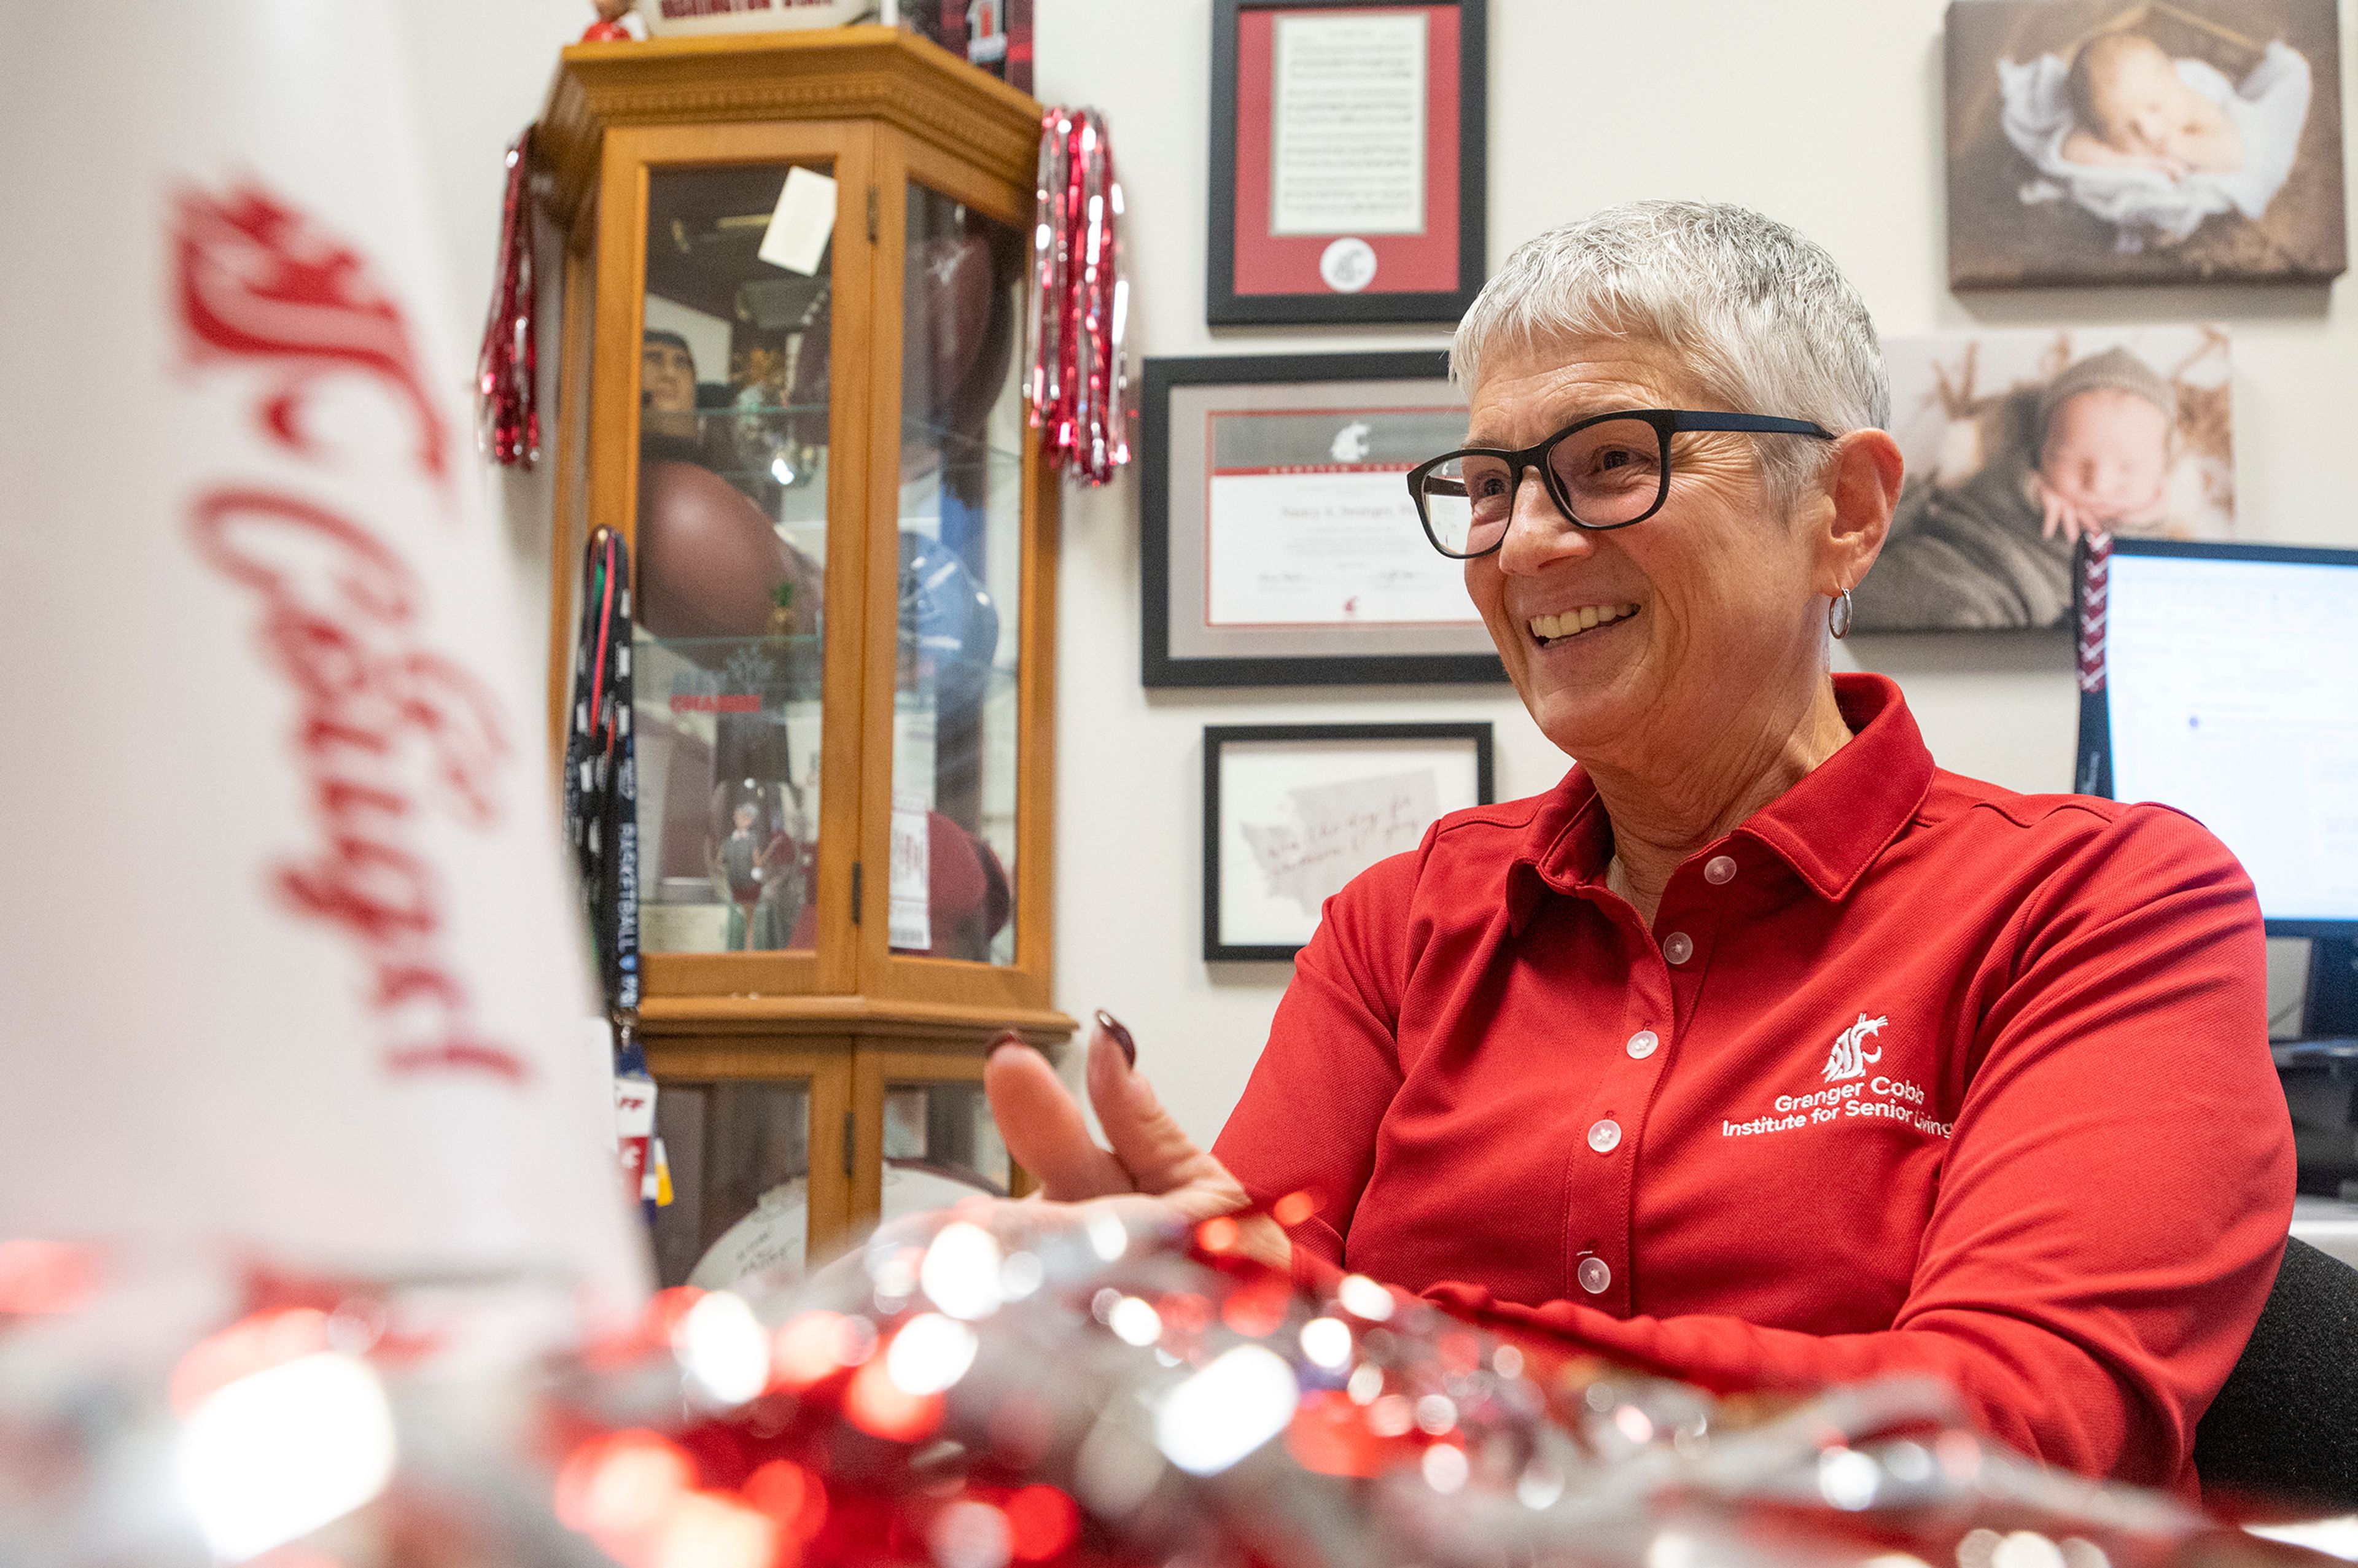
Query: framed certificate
x: 1348, y: 174
x: 1292, y: 812
x: 1281, y: 547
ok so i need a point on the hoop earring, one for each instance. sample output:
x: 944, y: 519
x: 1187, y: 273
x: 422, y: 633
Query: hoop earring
x: 1838, y: 614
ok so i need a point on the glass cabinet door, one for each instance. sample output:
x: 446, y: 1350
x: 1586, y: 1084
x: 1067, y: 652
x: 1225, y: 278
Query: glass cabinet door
x: 951, y: 893
x: 940, y: 1145
x: 740, y: 1165
x: 731, y: 555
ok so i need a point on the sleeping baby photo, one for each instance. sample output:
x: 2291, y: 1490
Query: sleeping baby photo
x: 2019, y: 443
x: 2095, y: 142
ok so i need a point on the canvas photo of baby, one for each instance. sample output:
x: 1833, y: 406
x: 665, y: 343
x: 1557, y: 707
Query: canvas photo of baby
x: 2133, y: 107
x: 2091, y: 141
x: 2019, y: 443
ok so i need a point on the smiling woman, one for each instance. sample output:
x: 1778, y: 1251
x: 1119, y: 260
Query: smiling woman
x: 1596, y: 1064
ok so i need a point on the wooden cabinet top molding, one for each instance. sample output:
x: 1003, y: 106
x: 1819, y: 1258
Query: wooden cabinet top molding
x: 833, y: 73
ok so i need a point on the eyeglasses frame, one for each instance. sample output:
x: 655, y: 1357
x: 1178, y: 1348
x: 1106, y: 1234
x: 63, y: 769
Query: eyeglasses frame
x: 1667, y: 422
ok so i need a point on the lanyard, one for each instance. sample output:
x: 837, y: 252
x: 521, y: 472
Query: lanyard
x: 2094, y: 773
x: 601, y: 797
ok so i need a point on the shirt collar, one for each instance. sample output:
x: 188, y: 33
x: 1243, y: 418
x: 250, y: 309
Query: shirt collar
x: 1829, y: 828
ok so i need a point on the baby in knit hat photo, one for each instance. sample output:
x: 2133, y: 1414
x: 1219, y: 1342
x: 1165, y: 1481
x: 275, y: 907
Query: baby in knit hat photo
x: 2018, y: 445
x: 2107, y: 432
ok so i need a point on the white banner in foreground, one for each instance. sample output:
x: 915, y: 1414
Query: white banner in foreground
x: 285, y: 960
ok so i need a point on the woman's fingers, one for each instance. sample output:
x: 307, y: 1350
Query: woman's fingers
x: 1044, y: 1130
x: 1152, y: 1154
x: 1158, y: 1153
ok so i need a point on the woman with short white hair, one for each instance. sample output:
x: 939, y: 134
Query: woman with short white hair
x: 1760, y: 1050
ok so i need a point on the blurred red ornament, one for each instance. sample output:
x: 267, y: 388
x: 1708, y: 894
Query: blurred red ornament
x: 619, y: 1489
x: 808, y: 1349
x: 1329, y: 1435
x: 1040, y: 1523
x: 882, y: 1408
x: 790, y: 1495
x: 1257, y: 1308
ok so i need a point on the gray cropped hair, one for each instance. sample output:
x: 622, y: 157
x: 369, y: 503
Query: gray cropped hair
x: 1761, y: 316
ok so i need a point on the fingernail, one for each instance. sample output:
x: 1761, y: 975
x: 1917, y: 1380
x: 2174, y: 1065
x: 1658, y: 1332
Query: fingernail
x: 1001, y: 1041
x: 1112, y: 1025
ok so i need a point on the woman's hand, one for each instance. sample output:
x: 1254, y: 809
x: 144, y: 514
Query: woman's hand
x: 1151, y: 1156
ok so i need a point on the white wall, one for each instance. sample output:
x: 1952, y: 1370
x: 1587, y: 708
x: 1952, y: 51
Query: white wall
x: 1825, y: 115
x: 480, y: 69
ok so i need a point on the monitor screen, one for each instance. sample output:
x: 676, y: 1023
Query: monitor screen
x: 2231, y: 692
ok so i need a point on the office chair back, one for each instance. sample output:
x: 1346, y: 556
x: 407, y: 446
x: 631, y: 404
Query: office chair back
x: 2286, y: 1425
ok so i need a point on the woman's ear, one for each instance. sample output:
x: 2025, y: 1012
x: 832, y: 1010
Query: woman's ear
x: 1862, y: 486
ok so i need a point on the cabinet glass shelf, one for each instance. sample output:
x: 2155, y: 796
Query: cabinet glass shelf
x: 729, y: 737
x: 777, y: 417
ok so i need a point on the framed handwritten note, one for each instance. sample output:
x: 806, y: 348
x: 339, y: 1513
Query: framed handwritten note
x: 1348, y: 161
x: 1293, y: 812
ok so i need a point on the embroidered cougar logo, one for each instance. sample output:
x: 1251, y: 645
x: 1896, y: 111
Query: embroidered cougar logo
x: 1849, y: 1058
x: 258, y: 280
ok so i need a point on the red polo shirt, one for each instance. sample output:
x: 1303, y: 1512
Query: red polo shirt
x: 1910, y: 1074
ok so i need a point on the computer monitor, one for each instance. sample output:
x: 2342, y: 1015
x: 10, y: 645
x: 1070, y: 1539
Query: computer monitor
x: 2230, y: 691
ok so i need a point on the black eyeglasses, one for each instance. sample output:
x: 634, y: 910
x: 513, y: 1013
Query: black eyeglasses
x: 1603, y: 472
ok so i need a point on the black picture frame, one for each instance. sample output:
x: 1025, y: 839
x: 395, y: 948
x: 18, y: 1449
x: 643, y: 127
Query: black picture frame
x: 1218, y: 738
x: 1224, y: 306
x: 1345, y: 655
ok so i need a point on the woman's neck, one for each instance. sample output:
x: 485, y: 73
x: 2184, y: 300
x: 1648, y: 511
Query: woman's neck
x: 1664, y: 808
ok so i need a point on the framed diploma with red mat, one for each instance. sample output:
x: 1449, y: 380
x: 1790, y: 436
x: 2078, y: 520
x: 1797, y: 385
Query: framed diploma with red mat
x: 1348, y: 161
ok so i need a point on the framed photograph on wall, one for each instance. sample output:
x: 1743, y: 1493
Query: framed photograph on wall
x: 1292, y: 812
x: 1348, y: 160
x: 1279, y: 544
x: 2143, y: 141
x: 2021, y: 443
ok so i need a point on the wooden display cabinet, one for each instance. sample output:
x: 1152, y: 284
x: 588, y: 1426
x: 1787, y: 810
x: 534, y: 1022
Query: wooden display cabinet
x: 802, y: 406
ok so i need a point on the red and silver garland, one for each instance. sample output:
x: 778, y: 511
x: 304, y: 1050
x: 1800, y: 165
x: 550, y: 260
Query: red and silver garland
x: 979, y: 1389
x: 507, y: 421
x: 1078, y: 379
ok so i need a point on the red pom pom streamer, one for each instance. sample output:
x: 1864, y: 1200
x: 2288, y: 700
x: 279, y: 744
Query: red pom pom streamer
x: 1079, y: 378
x: 507, y: 415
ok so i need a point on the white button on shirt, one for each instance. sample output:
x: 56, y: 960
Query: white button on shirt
x: 1593, y: 1275
x: 1678, y: 948
x: 1604, y: 1136
x: 1719, y: 871
x: 1642, y: 1044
